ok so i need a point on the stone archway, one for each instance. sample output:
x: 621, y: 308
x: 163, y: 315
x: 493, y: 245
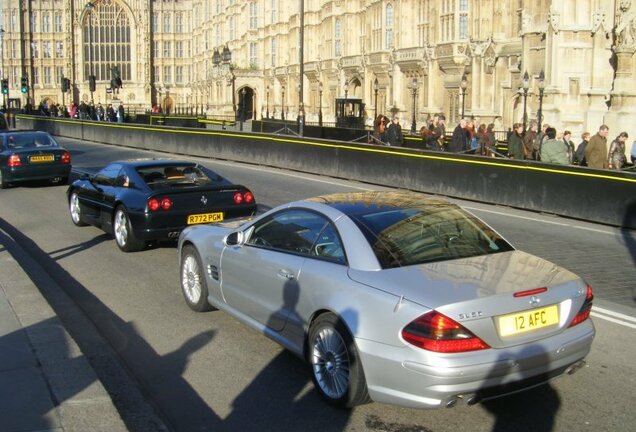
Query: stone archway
x: 167, y: 105
x: 245, y: 110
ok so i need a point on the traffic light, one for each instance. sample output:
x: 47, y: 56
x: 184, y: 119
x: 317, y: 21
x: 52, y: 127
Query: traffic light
x: 92, y: 85
x: 5, y: 86
x: 25, y: 85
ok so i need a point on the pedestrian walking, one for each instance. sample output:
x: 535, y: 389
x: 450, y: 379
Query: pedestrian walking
x: 121, y: 114
x: 528, y: 139
x: 579, y: 155
x: 515, y: 142
x: 616, y: 156
x: 596, y: 150
x: 569, y: 145
x: 458, y: 140
x: 394, y: 136
x: 553, y: 150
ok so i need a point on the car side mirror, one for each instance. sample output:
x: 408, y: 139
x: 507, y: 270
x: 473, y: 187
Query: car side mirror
x: 234, y: 239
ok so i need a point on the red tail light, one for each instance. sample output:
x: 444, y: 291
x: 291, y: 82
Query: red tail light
x: 238, y: 198
x: 66, y: 158
x: 166, y: 203
x: 14, y: 160
x: 154, y: 204
x: 249, y: 197
x: 584, y: 312
x: 436, y: 332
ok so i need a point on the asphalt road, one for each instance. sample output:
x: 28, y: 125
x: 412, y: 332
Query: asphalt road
x: 208, y: 372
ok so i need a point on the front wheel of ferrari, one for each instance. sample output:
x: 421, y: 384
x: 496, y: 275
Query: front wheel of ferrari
x: 335, y: 363
x: 124, y: 234
x: 75, y: 210
x: 193, y: 283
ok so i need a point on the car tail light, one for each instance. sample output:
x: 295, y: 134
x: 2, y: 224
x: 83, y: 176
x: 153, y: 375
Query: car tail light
x: 14, y: 160
x: 240, y: 198
x: 154, y: 204
x: 66, y: 158
x: 584, y: 312
x: 166, y: 203
x: 436, y: 332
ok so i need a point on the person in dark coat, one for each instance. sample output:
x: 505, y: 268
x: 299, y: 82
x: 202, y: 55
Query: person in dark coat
x: 394, y: 136
x: 458, y: 141
x: 515, y: 142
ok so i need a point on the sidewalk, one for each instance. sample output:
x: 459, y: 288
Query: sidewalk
x: 46, y: 383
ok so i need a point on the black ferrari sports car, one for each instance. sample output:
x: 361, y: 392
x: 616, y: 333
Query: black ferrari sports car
x: 32, y: 155
x: 149, y: 199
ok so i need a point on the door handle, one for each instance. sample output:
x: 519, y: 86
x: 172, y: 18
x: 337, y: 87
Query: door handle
x: 285, y: 274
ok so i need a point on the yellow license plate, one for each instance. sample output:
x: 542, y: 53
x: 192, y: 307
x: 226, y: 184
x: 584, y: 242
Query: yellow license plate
x: 205, y: 218
x: 531, y: 320
x: 42, y: 158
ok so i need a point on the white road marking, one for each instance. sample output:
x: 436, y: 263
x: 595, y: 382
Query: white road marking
x: 615, y: 317
x: 614, y: 320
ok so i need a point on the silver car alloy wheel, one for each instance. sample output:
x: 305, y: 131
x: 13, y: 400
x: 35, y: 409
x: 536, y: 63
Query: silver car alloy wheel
x: 121, y: 228
x: 191, y: 279
x: 75, y: 208
x: 330, y: 363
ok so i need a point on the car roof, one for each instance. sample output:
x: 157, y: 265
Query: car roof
x: 146, y: 162
x: 360, y: 203
x: 23, y: 132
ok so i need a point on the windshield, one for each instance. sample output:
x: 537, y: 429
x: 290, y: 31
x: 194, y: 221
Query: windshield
x: 409, y: 236
x: 29, y: 140
x: 174, y: 175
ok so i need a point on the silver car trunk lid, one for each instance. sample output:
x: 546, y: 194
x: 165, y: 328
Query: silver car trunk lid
x: 477, y: 291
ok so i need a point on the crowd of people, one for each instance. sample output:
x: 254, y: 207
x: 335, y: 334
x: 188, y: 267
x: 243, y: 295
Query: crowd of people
x: 83, y: 111
x: 546, y: 145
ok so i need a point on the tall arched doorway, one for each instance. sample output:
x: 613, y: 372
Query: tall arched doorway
x: 246, y: 103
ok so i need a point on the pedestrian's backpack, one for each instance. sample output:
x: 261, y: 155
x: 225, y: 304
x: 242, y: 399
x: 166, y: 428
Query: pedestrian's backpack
x: 474, y: 143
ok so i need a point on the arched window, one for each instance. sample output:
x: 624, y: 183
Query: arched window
x: 388, y: 36
x: 107, y: 41
x: 338, y: 38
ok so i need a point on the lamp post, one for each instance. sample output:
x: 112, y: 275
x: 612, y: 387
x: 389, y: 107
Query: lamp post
x: 91, y: 78
x: 267, y: 112
x: 464, y: 85
x: 301, y: 62
x: 375, y: 96
x: 414, y: 92
x: 541, y: 90
x: 320, y: 103
x: 526, y: 86
x: 4, y: 97
x: 242, y: 107
x: 282, y: 104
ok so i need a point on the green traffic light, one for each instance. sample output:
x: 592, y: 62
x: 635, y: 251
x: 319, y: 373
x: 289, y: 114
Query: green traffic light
x: 25, y: 89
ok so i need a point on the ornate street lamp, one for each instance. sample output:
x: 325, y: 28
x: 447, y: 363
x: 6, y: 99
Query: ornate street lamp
x: 526, y: 86
x: 414, y: 92
x: 320, y: 103
x: 242, y: 107
x: 376, y: 87
x: 541, y: 90
x: 91, y: 78
x: 464, y: 85
x: 267, y: 112
x: 282, y: 104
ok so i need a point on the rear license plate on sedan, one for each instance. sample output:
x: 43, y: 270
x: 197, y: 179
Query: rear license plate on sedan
x: 205, y: 218
x: 41, y: 158
x: 526, y: 321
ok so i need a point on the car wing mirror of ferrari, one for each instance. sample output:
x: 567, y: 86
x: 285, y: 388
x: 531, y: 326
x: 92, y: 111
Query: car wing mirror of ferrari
x: 234, y: 239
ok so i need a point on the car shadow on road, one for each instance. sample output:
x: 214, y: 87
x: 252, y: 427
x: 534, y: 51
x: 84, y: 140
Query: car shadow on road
x: 529, y: 410
x: 59, y: 254
x: 114, y: 347
x: 629, y: 237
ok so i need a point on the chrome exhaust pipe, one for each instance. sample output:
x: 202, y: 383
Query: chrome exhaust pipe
x: 575, y: 367
x: 452, y: 402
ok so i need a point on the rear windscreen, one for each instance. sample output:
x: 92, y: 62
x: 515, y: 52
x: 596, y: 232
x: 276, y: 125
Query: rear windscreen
x: 177, y: 176
x: 409, y: 236
x: 25, y: 141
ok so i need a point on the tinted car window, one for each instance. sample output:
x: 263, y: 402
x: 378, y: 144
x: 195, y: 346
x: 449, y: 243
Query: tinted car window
x: 177, y: 176
x: 329, y: 246
x: 32, y: 141
x: 108, y: 175
x: 409, y: 236
x: 291, y: 230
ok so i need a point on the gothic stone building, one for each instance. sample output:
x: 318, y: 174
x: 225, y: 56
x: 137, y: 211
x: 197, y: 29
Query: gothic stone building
x: 208, y: 56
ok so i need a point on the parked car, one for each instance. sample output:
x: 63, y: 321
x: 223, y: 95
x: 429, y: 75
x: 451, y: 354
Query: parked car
x: 393, y: 297
x: 146, y: 199
x: 32, y: 155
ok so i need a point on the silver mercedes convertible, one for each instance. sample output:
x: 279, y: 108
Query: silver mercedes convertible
x: 393, y: 297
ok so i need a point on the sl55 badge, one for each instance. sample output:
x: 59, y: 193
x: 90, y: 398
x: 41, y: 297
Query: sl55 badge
x: 470, y: 315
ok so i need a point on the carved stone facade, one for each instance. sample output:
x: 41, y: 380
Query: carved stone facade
x: 585, y: 48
